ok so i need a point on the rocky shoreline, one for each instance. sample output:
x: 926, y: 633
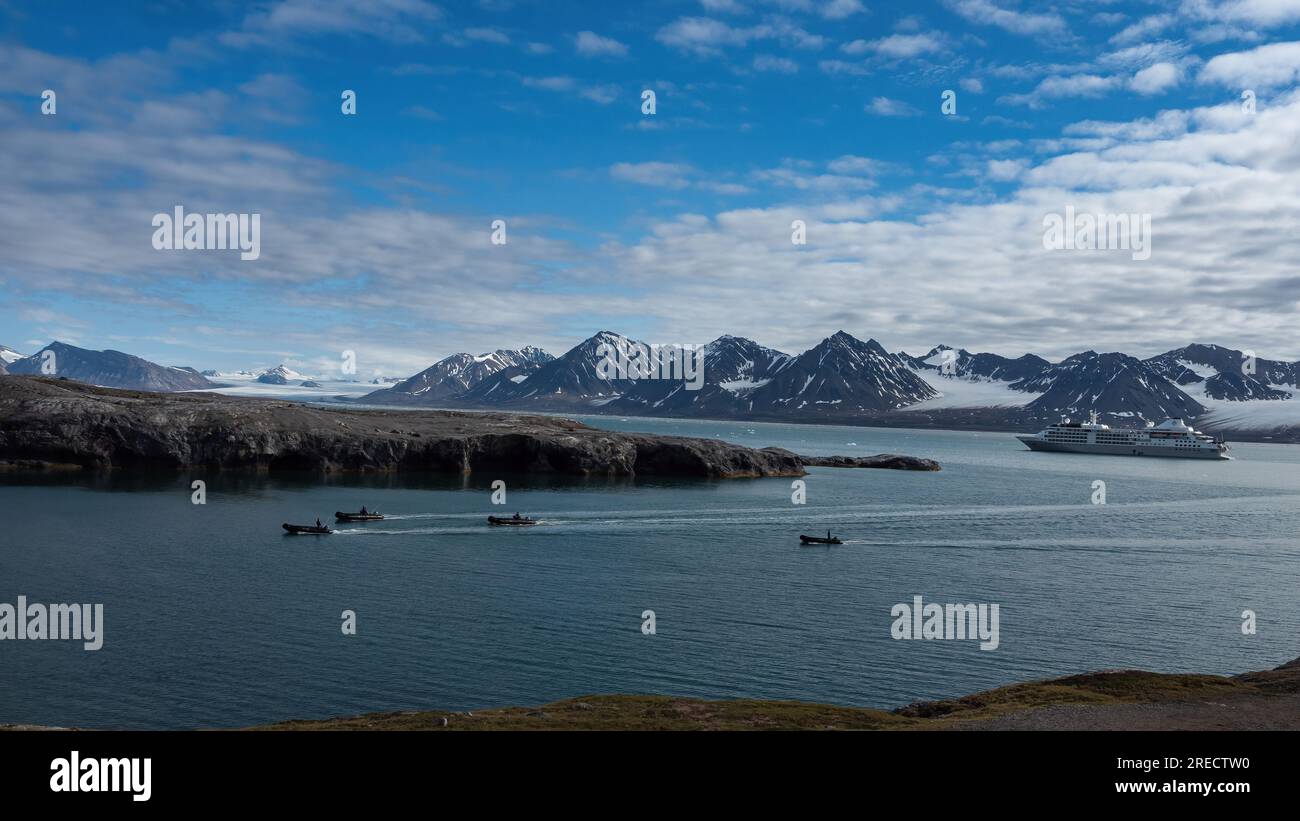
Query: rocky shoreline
x: 61, y: 424
x: 887, y: 461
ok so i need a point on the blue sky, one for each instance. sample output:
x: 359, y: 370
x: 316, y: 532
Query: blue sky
x: 924, y: 227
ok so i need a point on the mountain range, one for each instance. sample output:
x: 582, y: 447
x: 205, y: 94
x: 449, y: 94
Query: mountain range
x: 845, y: 379
x: 842, y: 379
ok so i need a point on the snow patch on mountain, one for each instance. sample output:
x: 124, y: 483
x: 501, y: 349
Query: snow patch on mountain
x: 1251, y: 414
x: 957, y: 392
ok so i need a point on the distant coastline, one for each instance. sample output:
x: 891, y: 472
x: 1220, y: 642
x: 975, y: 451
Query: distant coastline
x: 56, y: 424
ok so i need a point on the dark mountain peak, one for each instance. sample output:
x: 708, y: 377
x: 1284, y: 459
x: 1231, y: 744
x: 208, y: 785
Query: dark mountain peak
x: 938, y: 349
x: 1225, y: 373
x: 844, y: 341
x: 843, y: 374
x: 572, y: 378
x: 454, y: 375
x: 587, y: 348
x: 961, y: 363
x: 109, y: 368
x: 727, y: 342
x: 604, y: 336
x: 532, y: 353
x: 1126, y: 389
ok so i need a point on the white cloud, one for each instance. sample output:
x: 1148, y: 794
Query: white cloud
x: 782, y: 65
x: 603, y: 94
x: 840, y: 9
x: 799, y: 177
x: 1005, y: 170
x: 590, y: 44
x: 558, y: 83
x: 673, y: 176
x: 1143, y: 55
x: 657, y: 174
x: 1165, y: 125
x: 1263, y: 13
x: 1269, y: 66
x: 399, y: 21
x: 486, y: 35
x: 842, y: 67
x: 1156, y: 79
x: 1143, y: 28
x: 706, y: 37
x: 885, y: 107
x: 703, y: 36
x: 855, y: 165
x: 1061, y: 86
x: 897, y: 46
x: 989, y: 13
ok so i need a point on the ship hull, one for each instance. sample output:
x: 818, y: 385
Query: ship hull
x: 1034, y: 443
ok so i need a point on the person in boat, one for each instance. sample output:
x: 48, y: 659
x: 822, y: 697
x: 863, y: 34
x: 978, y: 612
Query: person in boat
x: 318, y: 521
x: 828, y: 535
x: 516, y: 515
x: 363, y: 510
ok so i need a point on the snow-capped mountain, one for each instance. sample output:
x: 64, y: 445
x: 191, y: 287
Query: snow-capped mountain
x: 9, y: 355
x: 1225, y: 373
x: 1112, y: 384
x: 558, y: 383
x: 738, y: 365
x: 733, y: 369
x: 1240, y: 392
x: 454, y: 375
x: 842, y: 375
x: 962, y: 364
x: 112, y: 369
x: 279, y: 375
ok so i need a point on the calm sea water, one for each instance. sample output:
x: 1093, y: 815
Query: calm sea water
x: 214, y: 618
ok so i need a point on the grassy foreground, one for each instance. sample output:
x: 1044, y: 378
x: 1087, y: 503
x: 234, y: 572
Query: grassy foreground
x: 1126, y: 699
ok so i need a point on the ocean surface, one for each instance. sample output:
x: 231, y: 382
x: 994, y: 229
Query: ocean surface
x: 215, y: 618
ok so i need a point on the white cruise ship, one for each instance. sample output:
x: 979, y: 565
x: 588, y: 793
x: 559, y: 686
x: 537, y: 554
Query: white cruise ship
x: 1171, y: 437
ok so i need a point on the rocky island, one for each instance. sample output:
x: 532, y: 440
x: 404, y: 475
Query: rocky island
x: 55, y: 423
x: 888, y: 461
